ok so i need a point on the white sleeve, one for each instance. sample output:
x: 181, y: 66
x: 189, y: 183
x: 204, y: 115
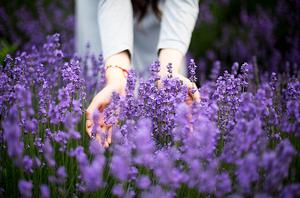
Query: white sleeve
x: 115, y: 19
x: 178, y: 22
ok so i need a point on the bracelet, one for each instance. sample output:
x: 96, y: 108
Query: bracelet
x: 125, y: 71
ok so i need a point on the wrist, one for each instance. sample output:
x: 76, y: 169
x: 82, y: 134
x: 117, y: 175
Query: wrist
x: 172, y: 56
x: 119, y: 59
x: 117, y: 66
x: 117, y: 69
x: 116, y: 77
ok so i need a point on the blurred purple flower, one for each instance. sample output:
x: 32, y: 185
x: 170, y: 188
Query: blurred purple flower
x: 44, y: 191
x: 48, y: 153
x: 25, y: 188
x: 12, y: 134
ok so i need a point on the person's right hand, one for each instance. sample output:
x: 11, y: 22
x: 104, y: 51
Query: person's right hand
x: 116, y: 82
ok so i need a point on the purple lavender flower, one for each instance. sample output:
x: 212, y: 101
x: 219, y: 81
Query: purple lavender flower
x: 48, y: 153
x: 118, y: 190
x: 170, y: 70
x: 291, y: 118
x: 80, y: 155
x: 156, y: 191
x: 144, y: 182
x: 215, y: 71
x: 165, y: 169
x: 129, y: 106
x: 234, y: 68
x: 62, y: 138
x: 44, y: 191
x: 247, y: 171
x: 246, y: 137
x: 144, y: 144
x: 92, y: 174
x: 228, y: 90
x: 111, y: 113
x: 95, y: 148
x: 28, y: 164
x: 277, y: 163
x: 224, y: 184
x: 70, y: 122
x: 290, y: 191
x: 192, y: 70
x: 183, y: 124
x: 154, y: 69
x: 120, y: 164
x: 25, y: 188
x: 201, y: 142
x: 38, y: 144
x: 12, y: 134
x: 61, y: 175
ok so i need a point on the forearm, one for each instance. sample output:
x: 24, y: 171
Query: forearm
x: 177, y: 25
x: 115, y: 76
x: 166, y: 56
x: 121, y: 59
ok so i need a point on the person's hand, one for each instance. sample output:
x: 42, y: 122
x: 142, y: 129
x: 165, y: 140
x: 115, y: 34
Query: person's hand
x: 116, y: 82
x: 175, y: 57
x: 193, y: 93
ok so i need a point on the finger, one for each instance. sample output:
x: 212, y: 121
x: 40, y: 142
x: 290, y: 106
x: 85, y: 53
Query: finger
x: 159, y: 83
x: 96, y: 104
x: 109, y: 134
x: 185, y: 81
x: 192, y: 88
x: 98, y: 138
x: 196, y: 95
x: 90, y: 110
x: 88, y: 129
x: 101, y: 119
x: 89, y: 123
x: 105, y: 145
x: 189, y: 99
x: 99, y: 102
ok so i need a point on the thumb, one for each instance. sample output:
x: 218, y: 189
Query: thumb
x: 193, y: 91
x: 99, y: 102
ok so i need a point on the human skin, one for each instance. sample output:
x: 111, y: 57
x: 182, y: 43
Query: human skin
x: 116, y: 82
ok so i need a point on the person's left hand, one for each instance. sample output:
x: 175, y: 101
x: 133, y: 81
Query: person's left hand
x: 191, y: 86
x: 175, y: 57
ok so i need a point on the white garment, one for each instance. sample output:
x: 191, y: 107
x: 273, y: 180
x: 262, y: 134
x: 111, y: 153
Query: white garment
x: 109, y: 27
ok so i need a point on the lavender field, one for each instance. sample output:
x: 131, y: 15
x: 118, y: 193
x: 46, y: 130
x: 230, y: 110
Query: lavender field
x: 241, y: 140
